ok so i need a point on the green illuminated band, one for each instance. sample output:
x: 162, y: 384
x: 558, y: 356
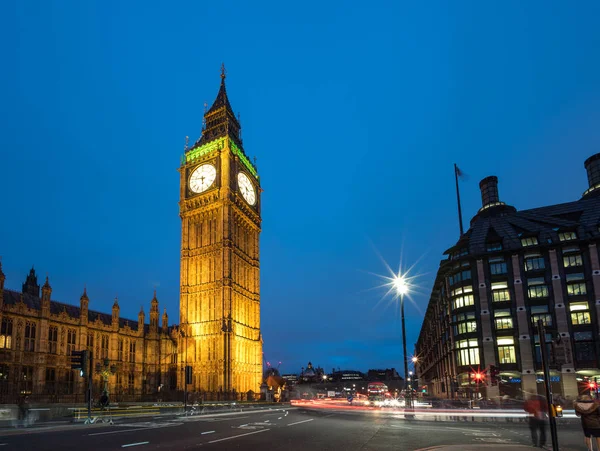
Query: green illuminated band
x: 240, y: 153
x: 217, y: 145
x: 203, y: 150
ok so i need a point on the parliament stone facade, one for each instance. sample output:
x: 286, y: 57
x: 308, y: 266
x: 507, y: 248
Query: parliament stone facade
x: 219, y: 337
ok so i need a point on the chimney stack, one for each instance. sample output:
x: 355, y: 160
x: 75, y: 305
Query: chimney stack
x: 489, y: 190
x: 592, y: 166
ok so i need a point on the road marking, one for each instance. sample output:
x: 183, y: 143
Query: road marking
x: 266, y: 421
x: 134, y: 444
x: 118, y: 432
x: 239, y: 435
x: 207, y: 432
x: 298, y: 422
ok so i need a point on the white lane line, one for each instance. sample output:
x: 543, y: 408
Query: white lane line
x: 207, y: 432
x: 279, y: 418
x: 119, y: 432
x: 134, y: 444
x: 298, y: 422
x: 239, y: 435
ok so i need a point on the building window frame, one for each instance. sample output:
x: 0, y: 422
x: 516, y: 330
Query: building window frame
x: 529, y: 241
x: 467, y: 352
x: 71, y: 340
x: 6, y: 331
x: 567, y: 236
x: 534, y: 262
x: 503, y: 319
x: 463, y: 297
x: 30, y: 329
x: 506, y: 350
x: 580, y: 313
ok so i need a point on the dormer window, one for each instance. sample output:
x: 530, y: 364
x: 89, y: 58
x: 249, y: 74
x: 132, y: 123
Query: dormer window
x: 496, y: 246
x: 567, y: 236
x: 529, y: 241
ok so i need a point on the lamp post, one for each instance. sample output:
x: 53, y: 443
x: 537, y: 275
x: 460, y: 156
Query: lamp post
x: 402, y: 288
x: 415, y: 359
x: 105, y: 369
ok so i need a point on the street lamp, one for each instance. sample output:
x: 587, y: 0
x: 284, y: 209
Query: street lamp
x: 402, y: 288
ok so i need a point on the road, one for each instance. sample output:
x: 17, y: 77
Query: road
x: 289, y: 429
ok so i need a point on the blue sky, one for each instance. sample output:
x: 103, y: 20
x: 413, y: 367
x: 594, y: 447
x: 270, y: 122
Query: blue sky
x: 355, y: 111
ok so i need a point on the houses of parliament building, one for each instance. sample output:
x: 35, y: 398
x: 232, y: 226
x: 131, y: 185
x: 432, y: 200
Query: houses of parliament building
x: 218, y: 338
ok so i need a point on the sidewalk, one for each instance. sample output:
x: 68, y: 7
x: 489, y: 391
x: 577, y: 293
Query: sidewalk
x: 131, y: 413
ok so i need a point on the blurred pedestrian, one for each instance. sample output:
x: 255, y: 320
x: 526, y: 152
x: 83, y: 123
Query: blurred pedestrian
x: 104, y: 400
x: 589, y: 411
x: 537, y: 408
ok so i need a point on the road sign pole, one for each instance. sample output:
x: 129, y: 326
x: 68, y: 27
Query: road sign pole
x: 544, y: 352
x: 89, y: 388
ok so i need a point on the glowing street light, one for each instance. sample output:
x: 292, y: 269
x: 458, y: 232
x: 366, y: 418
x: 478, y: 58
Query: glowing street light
x: 402, y: 288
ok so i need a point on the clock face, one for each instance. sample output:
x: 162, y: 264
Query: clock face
x: 202, y: 178
x: 246, y: 188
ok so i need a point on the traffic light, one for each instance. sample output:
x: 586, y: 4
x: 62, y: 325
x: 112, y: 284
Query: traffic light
x: 79, y: 361
x: 556, y: 410
x: 592, y: 385
x: 478, y: 376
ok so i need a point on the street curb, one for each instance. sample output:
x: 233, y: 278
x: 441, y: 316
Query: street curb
x: 41, y: 429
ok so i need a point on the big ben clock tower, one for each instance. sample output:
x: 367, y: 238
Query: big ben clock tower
x: 220, y: 225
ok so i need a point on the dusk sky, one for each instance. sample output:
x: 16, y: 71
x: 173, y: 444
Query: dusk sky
x: 355, y: 111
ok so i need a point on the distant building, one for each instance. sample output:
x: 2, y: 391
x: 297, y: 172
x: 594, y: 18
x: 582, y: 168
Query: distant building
x: 347, y: 375
x: 509, y: 270
x: 291, y: 379
x: 383, y: 375
x: 310, y: 375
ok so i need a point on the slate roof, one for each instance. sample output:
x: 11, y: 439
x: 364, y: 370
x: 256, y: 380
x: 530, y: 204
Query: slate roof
x: 33, y: 302
x: 508, y: 226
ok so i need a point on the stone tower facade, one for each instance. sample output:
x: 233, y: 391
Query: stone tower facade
x: 220, y: 227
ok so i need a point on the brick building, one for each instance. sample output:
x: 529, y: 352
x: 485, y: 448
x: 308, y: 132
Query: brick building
x: 508, y: 270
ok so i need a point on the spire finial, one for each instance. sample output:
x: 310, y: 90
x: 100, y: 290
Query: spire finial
x: 187, y: 140
x: 85, y: 289
x: 223, y: 73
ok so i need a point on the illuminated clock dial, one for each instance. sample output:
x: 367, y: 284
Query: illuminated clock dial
x: 246, y: 188
x: 202, y: 178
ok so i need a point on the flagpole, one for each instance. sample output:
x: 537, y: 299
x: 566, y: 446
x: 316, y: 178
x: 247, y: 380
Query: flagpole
x: 460, y: 223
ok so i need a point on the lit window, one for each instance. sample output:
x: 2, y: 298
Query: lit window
x: 503, y: 319
x: 500, y: 292
x: 464, y: 323
x: 529, y: 241
x: 572, y: 260
x: 462, y: 297
x: 6, y: 333
x: 506, y: 350
x: 576, y: 284
x: 467, y: 352
x: 567, y: 236
x: 541, y: 312
x: 537, y: 287
x: 580, y: 313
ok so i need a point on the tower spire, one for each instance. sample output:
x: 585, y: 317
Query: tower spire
x: 219, y: 120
